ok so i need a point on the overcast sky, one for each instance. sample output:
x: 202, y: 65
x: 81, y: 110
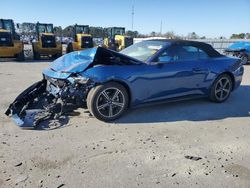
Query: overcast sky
x: 211, y: 18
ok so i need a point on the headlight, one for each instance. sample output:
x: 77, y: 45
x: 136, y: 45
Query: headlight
x: 78, y: 79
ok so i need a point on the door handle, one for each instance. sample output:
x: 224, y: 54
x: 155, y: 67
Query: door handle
x: 199, y: 70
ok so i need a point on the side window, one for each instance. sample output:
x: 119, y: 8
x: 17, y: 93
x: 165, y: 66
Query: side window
x: 202, y: 54
x: 165, y: 57
x: 179, y: 53
x: 191, y: 53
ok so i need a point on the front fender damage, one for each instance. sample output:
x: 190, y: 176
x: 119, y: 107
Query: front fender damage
x: 38, y: 103
x: 17, y: 109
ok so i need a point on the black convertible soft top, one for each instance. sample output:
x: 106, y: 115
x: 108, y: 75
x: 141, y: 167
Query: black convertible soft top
x: 211, y: 52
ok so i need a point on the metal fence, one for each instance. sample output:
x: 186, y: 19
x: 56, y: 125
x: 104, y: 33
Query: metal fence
x: 219, y: 44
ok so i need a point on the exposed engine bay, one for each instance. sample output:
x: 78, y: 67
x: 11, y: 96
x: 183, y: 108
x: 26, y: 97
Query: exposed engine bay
x: 47, y: 99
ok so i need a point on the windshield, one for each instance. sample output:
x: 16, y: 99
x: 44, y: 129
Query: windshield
x: 7, y: 25
x: 119, y: 31
x: 115, y: 31
x: 45, y: 28
x: 82, y: 29
x: 143, y: 50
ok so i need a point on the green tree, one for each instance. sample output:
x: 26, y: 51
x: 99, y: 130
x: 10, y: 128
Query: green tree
x: 97, y: 32
x: 169, y: 35
x: 192, y: 35
x: 239, y: 36
x: 68, y: 31
x: 58, y: 31
x: 132, y: 34
x: 153, y: 34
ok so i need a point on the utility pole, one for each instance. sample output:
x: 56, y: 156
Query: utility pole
x: 133, y: 12
x: 161, y: 28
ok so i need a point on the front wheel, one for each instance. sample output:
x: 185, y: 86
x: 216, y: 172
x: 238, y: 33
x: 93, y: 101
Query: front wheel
x: 20, y: 56
x: 221, y: 88
x: 108, y: 102
x: 36, y: 56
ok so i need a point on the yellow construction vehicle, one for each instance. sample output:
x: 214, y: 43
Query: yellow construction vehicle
x: 116, y: 39
x: 10, y: 44
x: 46, y: 44
x: 82, y: 39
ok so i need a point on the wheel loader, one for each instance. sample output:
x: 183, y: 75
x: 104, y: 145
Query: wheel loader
x: 116, y: 39
x: 82, y: 39
x: 10, y: 44
x: 46, y: 44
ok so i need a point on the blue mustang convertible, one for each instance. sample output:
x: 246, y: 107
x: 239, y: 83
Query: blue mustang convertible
x: 108, y: 83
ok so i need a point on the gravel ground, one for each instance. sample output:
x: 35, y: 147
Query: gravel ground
x: 185, y: 144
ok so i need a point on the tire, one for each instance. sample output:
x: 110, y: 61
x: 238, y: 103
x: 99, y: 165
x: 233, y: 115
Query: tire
x: 69, y: 48
x: 56, y: 56
x: 37, y: 56
x: 244, y: 59
x: 107, y: 102
x: 20, y: 56
x: 221, y: 88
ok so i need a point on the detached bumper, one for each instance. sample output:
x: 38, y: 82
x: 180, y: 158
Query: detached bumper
x: 19, y: 109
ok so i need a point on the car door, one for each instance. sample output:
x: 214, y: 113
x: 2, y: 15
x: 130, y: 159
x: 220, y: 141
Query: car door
x: 177, y: 71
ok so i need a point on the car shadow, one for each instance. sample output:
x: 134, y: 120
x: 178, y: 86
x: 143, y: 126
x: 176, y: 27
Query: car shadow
x: 238, y: 105
x: 61, y: 122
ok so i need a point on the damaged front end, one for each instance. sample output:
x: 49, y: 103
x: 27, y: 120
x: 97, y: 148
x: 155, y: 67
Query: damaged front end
x: 47, y: 99
x: 61, y: 90
x: 64, y: 87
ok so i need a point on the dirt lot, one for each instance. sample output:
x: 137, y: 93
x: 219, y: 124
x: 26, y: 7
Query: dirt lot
x: 145, y: 148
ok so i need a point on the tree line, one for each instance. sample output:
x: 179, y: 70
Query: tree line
x: 99, y: 32
x: 240, y: 36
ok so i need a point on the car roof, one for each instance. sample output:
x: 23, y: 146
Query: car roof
x: 211, y: 52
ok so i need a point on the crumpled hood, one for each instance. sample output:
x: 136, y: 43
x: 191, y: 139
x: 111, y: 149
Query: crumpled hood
x: 74, y: 62
x: 79, y: 61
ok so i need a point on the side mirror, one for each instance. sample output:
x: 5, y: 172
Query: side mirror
x: 165, y: 59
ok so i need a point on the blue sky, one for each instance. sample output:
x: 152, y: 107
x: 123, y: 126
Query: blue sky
x: 212, y: 18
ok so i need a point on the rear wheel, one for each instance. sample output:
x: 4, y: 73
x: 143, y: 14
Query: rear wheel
x: 221, y: 88
x: 37, y: 55
x: 244, y: 59
x: 69, y: 48
x: 108, y: 101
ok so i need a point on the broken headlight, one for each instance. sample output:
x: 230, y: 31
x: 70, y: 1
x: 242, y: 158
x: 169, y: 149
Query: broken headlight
x: 78, y: 79
x: 81, y: 80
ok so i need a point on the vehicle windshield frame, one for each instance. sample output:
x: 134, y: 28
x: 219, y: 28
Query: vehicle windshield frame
x: 7, y: 25
x: 150, y: 57
x: 82, y: 29
x: 45, y: 28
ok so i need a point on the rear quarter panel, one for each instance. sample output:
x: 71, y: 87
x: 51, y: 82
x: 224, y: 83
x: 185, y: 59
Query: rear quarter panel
x: 225, y: 64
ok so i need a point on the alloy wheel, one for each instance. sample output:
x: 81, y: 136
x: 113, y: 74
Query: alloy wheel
x: 244, y: 59
x: 223, y: 89
x: 110, y: 102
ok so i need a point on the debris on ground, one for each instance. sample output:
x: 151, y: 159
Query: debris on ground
x: 193, y: 158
